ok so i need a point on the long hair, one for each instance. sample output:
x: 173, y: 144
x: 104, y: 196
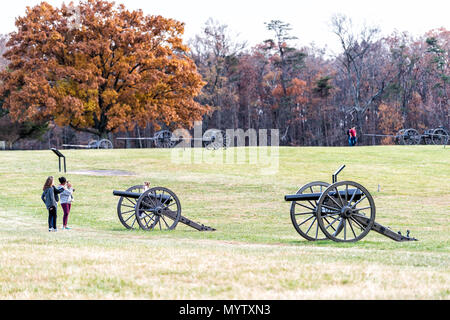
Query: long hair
x: 48, y: 183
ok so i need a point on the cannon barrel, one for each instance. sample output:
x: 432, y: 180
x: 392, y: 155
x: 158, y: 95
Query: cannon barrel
x: 133, y: 195
x: 316, y: 196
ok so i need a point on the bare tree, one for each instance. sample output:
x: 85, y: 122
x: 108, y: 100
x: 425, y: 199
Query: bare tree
x: 216, y: 56
x: 360, y: 64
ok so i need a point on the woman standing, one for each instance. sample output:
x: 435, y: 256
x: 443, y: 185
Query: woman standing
x: 48, y: 197
x: 66, y: 203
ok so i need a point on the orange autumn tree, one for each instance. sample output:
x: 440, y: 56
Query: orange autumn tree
x: 99, y: 68
x: 390, y: 121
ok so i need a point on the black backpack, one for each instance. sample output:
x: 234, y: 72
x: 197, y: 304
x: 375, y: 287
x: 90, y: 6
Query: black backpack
x: 57, y: 192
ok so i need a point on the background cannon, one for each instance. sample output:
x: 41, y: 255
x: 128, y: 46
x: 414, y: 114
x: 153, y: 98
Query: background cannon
x: 212, y: 139
x: 343, y: 212
x: 93, y: 144
x: 155, y: 208
x: 438, y: 136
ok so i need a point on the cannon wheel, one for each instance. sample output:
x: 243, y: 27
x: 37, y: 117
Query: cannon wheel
x: 304, y: 216
x: 126, y: 209
x: 440, y: 136
x: 93, y: 144
x: 340, y: 217
x: 105, y: 144
x: 411, y: 137
x: 163, y: 139
x: 152, y: 212
x: 216, y: 139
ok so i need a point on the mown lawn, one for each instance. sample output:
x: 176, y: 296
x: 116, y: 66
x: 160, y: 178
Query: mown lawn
x: 255, y: 252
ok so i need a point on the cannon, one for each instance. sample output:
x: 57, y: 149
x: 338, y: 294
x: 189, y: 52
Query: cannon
x: 155, y: 208
x: 438, y: 136
x: 211, y: 140
x: 93, y: 144
x: 342, y: 211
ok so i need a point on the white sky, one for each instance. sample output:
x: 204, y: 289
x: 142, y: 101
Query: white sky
x: 309, y: 19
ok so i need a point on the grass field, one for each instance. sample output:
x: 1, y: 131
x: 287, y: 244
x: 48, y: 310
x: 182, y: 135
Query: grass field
x: 255, y: 252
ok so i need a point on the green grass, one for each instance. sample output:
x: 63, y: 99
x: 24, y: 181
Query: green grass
x: 255, y: 252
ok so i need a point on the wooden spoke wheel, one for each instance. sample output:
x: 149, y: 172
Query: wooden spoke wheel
x: 163, y: 139
x: 93, y: 144
x: 439, y: 137
x: 304, y: 214
x: 411, y: 137
x: 215, y: 139
x: 346, y: 212
x: 126, y: 209
x: 158, y: 208
x: 105, y: 144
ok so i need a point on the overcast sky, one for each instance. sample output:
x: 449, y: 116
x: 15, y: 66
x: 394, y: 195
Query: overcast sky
x: 308, y: 18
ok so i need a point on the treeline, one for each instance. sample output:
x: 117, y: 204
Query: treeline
x: 378, y: 84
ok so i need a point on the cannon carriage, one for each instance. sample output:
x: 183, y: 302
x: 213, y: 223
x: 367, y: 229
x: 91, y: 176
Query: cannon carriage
x: 342, y: 211
x: 150, y: 209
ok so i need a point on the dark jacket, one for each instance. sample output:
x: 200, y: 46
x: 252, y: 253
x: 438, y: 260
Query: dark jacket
x: 57, y: 191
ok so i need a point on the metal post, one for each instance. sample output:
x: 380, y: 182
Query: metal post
x: 335, y: 175
x: 60, y: 155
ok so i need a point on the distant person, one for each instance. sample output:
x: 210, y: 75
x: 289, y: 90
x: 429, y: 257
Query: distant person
x: 349, y: 137
x: 48, y: 197
x: 146, y: 186
x: 66, y: 203
x: 353, y: 136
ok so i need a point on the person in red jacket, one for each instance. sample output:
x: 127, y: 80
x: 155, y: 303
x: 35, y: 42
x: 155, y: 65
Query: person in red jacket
x: 353, y: 136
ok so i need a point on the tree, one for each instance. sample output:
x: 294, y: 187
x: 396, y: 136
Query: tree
x: 216, y: 56
x: 390, y: 121
x: 11, y: 131
x: 361, y: 65
x: 286, y: 62
x: 111, y: 70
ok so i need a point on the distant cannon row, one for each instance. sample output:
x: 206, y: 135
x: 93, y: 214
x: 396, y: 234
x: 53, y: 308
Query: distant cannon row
x: 164, y: 139
x: 93, y: 144
x: 212, y: 139
x: 438, y: 136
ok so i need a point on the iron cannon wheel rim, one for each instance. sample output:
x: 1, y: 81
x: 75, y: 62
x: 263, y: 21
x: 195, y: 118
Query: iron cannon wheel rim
x: 126, y: 209
x: 343, y: 228
x: 221, y: 139
x: 93, y: 144
x: 164, y: 139
x: 411, y: 137
x: 440, y: 137
x: 105, y: 144
x: 303, y: 215
x: 147, y: 206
